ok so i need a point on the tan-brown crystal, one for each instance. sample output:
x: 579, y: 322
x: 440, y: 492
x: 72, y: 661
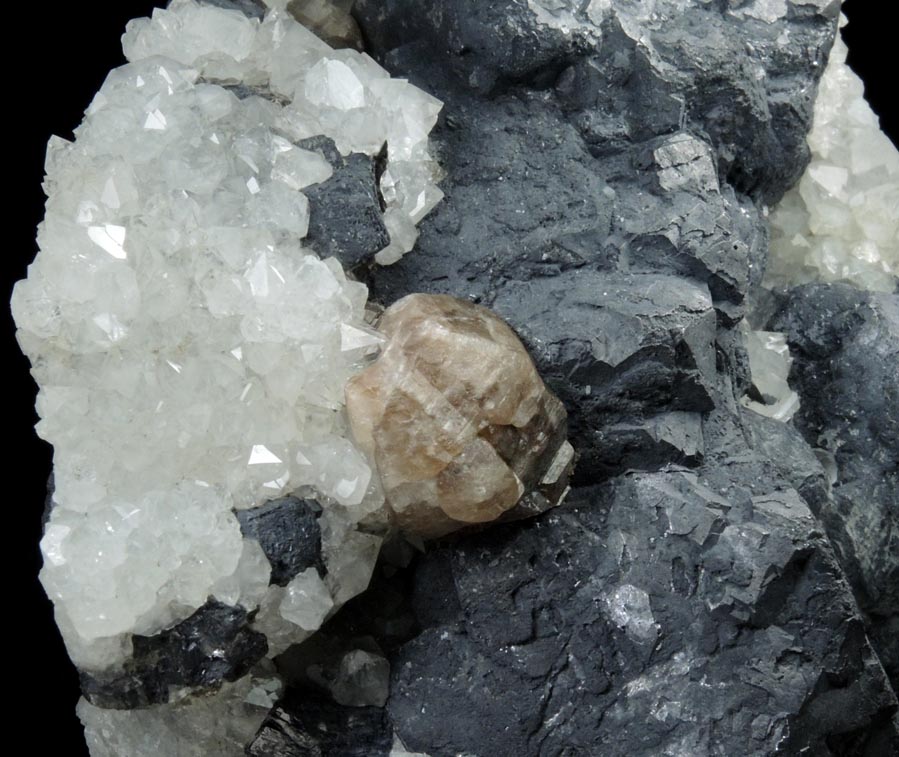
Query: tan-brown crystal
x: 459, y: 423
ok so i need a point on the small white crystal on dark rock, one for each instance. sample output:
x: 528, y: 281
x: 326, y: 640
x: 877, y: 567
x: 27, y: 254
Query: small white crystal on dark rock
x: 769, y: 362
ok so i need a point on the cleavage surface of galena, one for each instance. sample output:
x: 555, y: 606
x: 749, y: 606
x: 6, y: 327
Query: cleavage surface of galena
x: 420, y: 384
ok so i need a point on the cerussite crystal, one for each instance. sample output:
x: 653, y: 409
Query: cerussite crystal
x: 459, y: 422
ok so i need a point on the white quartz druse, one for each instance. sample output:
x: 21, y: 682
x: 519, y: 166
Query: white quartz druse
x: 191, y: 353
x: 842, y: 222
x: 218, y: 724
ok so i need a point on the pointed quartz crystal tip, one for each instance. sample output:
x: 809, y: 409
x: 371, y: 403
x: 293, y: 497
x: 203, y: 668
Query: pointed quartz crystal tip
x: 461, y: 426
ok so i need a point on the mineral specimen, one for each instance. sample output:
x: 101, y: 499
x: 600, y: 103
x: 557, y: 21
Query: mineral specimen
x: 769, y: 363
x: 456, y: 418
x: 211, y: 646
x: 662, y: 610
x: 289, y: 534
x: 651, y: 616
x: 218, y: 724
x: 300, y: 726
x: 631, y: 355
x: 235, y: 438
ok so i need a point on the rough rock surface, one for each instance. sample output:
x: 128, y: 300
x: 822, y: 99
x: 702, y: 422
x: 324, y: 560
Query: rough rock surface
x: 304, y: 725
x: 221, y: 723
x: 633, y: 355
x: 723, y: 67
x: 653, y: 615
x: 289, y: 533
x: 345, y: 211
x: 606, y: 168
x: 649, y: 132
x: 845, y: 344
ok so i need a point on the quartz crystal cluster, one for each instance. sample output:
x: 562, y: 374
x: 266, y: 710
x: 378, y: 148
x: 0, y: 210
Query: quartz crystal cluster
x: 192, y: 344
x: 841, y: 223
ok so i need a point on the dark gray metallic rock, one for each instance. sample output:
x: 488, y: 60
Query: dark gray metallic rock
x: 579, y: 158
x: 845, y: 347
x: 213, y: 645
x: 635, y: 71
x: 346, y: 211
x: 670, y: 612
x: 604, y: 190
x: 794, y: 458
x: 672, y: 215
x: 304, y: 725
x: 631, y: 356
x: 681, y: 126
x: 525, y: 200
x: 288, y: 531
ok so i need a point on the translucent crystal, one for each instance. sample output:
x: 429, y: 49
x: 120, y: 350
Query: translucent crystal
x: 629, y: 608
x: 337, y: 469
x: 219, y: 724
x: 352, y: 561
x: 769, y: 362
x: 399, y: 750
x: 167, y: 547
x: 249, y: 582
x: 306, y: 602
x: 363, y: 680
x: 457, y: 419
x: 280, y: 632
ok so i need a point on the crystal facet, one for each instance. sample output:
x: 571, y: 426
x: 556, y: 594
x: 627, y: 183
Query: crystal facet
x: 455, y: 416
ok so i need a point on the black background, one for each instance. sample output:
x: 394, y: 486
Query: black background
x: 65, y: 51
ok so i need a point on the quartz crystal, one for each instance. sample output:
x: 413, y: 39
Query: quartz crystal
x: 363, y: 679
x: 459, y: 423
x: 842, y: 222
x: 219, y: 724
x: 191, y: 349
x: 769, y: 362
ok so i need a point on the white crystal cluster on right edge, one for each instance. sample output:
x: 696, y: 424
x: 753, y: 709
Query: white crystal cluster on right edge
x: 841, y: 223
